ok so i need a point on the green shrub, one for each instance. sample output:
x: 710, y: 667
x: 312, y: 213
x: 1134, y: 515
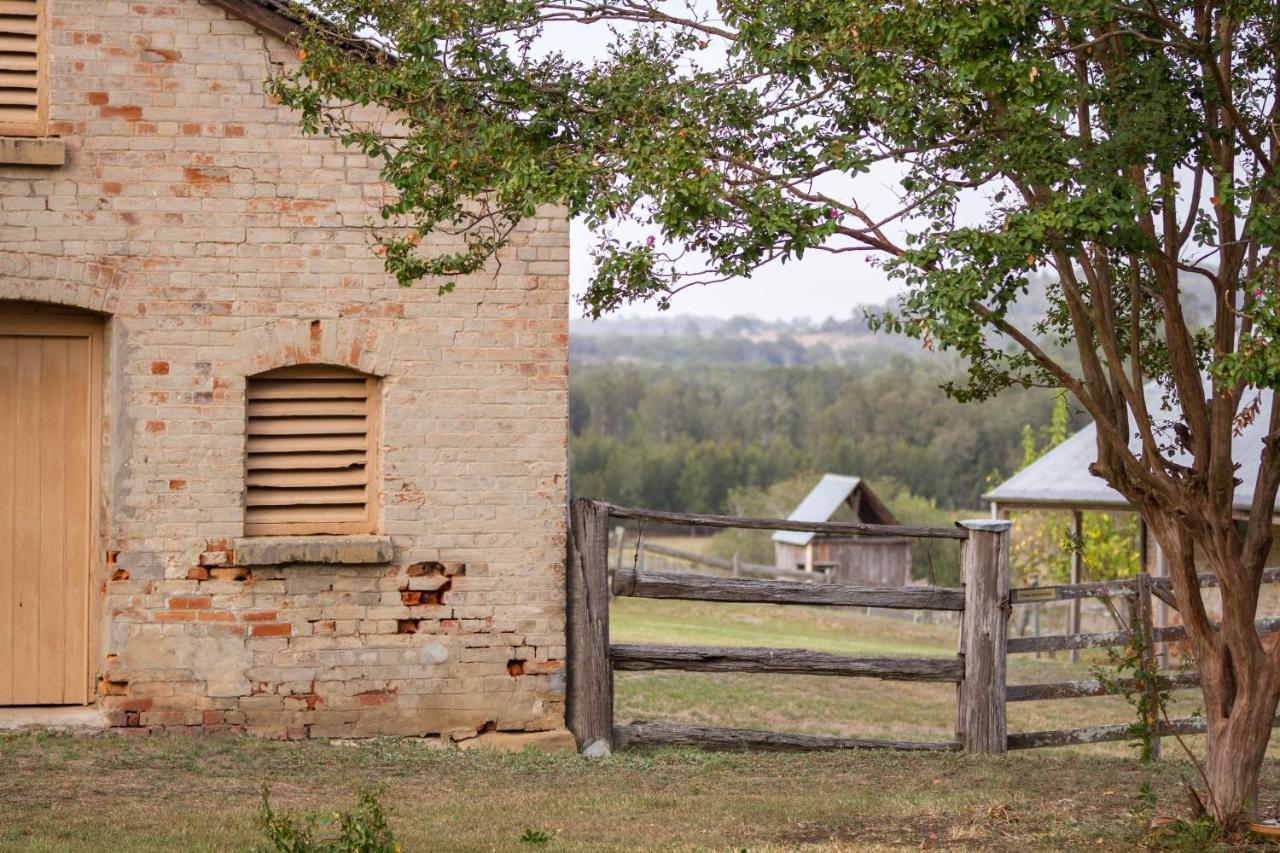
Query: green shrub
x: 363, y: 829
x: 535, y: 838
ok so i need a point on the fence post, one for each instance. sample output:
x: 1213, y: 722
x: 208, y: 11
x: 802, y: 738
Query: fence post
x: 984, y: 564
x: 1144, y: 621
x: 589, y: 701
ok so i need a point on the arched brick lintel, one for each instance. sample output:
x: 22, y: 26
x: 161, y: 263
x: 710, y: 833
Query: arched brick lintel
x: 93, y: 285
x: 358, y: 344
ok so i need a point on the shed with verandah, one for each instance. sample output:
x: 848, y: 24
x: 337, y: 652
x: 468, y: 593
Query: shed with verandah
x: 1060, y: 480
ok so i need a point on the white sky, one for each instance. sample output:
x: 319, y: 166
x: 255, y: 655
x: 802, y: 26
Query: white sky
x: 816, y: 287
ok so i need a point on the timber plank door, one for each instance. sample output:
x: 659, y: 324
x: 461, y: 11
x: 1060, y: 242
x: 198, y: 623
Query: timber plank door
x: 49, y: 435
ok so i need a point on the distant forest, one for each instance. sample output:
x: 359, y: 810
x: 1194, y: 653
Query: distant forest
x: 686, y: 415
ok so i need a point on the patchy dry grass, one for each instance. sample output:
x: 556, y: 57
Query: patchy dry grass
x: 60, y: 793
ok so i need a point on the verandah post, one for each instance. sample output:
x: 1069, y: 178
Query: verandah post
x: 1143, y: 621
x: 589, y: 700
x: 984, y: 564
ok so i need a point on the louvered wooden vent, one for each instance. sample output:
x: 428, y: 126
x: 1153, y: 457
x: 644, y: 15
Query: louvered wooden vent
x: 22, y: 74
x: 311, y: 440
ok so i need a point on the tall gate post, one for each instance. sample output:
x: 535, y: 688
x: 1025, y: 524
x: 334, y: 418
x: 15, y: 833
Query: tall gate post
x: 589, y: 700
x: 984, y: 565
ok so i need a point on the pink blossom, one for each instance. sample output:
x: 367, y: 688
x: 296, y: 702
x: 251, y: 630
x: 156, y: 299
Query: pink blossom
x: 649, y: 240
x: 832, y: 213
x: 1257, y: 294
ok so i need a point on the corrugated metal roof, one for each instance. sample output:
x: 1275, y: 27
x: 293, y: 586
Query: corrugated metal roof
x: 1061, y: 477
x: 832, y: 491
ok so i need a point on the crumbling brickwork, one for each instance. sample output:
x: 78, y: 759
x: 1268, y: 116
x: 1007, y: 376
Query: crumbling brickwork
x: 218, y: 242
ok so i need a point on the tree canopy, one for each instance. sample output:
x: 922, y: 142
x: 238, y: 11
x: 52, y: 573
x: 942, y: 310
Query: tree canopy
x: 1129, y: 148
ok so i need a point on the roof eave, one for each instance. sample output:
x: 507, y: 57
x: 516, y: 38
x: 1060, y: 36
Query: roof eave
x: 265, y: 19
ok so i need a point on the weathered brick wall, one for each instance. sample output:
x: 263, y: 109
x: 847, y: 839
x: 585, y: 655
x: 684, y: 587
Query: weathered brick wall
x: 219, y: 242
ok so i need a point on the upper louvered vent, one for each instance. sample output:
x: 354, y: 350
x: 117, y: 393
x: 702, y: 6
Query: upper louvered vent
x: 310, y: 451
x: 22, y: 67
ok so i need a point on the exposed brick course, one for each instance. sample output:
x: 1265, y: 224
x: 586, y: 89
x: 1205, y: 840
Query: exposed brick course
x: 218, y: 242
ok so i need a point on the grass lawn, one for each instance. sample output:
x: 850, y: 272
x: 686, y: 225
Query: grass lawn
x: 62, y: 793
x: 66, y: 794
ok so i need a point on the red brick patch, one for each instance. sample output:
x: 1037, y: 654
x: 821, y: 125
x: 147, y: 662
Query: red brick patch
x: 126, y: 113
x: 261, y: 616
x: 200, y: 177
x: 176, y: 616
x: 134, y: 704
x: 217, y: 616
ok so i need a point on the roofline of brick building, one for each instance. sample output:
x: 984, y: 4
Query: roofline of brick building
x: 264, y: 15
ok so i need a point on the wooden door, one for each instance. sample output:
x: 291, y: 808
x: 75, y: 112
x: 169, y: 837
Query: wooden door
x: 49, y: 388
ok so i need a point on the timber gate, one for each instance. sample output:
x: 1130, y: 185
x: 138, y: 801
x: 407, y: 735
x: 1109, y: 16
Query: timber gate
x: 978, y: 669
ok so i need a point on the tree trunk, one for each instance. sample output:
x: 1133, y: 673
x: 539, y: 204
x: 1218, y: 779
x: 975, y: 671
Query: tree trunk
x: 1236, y: 746
x: 1238, y: 676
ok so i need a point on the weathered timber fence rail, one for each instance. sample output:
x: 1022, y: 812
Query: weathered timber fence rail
x: 736, y: 567
x: 1139, y: 592
x: 978, y: 669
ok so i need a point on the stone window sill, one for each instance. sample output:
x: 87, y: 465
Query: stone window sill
x: 32, y: 151
x: 339, y: 550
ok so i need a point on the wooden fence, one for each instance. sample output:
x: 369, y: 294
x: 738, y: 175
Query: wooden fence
x: 978, y: 669
x: 1139, y: 594
x: 984, y: 602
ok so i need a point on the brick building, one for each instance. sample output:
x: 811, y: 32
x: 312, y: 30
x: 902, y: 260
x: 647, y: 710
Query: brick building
x: 247, y: 483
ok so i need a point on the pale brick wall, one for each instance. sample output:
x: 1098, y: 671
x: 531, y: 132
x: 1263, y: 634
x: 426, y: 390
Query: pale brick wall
x: 219, y: 242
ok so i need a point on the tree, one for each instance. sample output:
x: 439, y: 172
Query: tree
x: 1126, y: 147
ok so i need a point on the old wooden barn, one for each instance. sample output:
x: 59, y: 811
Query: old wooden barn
x: 847, y: 559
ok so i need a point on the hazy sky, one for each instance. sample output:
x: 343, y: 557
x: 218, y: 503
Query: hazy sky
x: 819, y: 286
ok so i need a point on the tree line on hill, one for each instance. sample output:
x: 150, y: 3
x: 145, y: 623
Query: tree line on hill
x: 685, y: 436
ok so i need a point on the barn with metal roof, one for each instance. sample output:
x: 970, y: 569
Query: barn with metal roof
x: 846, y: 559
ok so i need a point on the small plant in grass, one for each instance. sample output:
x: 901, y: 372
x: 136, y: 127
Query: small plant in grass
x: 1144, y: 804
x: 535, y: 838
x: 1135, y: 675
x: 363, y: 829
x: 1193, y: 835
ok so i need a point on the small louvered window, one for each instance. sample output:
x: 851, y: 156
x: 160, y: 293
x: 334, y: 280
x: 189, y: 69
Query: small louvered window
x: 22, y: 67
x: 311, y: 442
